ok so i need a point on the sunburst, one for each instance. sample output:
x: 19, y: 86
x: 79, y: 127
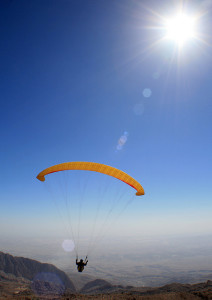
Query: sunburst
x: 180, y: 29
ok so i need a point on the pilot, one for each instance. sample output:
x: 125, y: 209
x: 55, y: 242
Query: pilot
x: 81, y: 264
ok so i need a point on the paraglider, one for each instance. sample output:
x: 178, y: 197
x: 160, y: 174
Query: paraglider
x: 99, y: 168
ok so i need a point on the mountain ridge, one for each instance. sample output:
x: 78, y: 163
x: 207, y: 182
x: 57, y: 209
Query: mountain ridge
x: 34, y: 270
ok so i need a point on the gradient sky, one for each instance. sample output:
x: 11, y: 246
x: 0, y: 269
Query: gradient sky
x: 94, y: 81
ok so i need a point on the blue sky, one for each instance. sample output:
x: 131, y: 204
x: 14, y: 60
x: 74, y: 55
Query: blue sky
x: 74, y: 77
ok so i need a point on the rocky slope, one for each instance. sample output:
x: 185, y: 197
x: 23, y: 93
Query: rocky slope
x: 34, y: 271
x: 168, y: 292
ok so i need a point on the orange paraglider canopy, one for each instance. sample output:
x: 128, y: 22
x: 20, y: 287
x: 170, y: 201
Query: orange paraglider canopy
x: 96, y: 167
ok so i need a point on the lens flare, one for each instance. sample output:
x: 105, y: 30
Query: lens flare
x: 138, y: 109
x: 68, y: 245
x: 49, y: 280
x: 147, y: 93
x: 122, y: 141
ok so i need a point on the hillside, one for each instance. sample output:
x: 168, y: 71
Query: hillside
x: 34, y: 271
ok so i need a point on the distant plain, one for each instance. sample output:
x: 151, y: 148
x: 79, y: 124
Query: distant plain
x: 148, y: 261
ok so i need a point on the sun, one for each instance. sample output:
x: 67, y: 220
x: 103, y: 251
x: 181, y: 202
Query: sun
x: 180, y: 29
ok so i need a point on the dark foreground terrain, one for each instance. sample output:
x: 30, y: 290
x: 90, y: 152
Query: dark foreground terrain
x: 21, y: 289
x: 22, y: 278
